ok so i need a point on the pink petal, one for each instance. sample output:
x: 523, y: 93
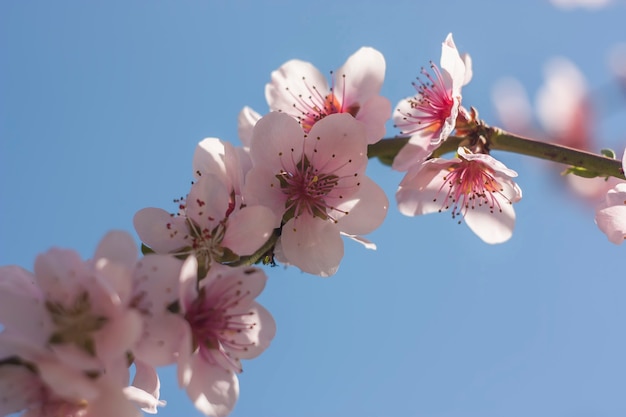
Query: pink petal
x: 365, y: 242
x: 366, y: 211
x: 374, y: 114
x: 452, y: 65
x: 22, y: 305
x: 145, y: 390
x: 612, y: 221
x: 419, y: 189
x: 208, y: 201
x: 20, y: 388
x: 337, y: 144
x: 249, y: 228
x: 220, y: 278
x: 492, y: 226
x: 364, y: 75
x: 245, y: 123
x: 263, y: 188
x: 412, y: 155
x: 119, y: 247
x: 61, y: 274
x: 66, y: 382
x: 213, y: 390
x: 294, y: 79
x: 313, y: 245
x: 160, y: 230
x: 277, y: 142
x: 216, y: 157
x: 260, y: 335
x: 188, y: 282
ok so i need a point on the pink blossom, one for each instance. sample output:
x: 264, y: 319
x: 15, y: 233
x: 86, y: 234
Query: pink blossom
x: 213, y: 222
x: 317, y: 184
x: 611, y: 214
x: 35, y: 381
x: 430, y: 116
x: 79, y: 309
x: 300, y: 90
x: 475, y: 186
x: 207, y: 327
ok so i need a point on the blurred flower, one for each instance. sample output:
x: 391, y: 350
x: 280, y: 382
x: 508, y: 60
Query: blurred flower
x: 565, y: 114
x: 611, y: 215
x: 430, y: 116
x: 586, y: 4
x: 67, y: 330
x: 475, y: 186
x: 313, y: 181
x: 80, y: 309
x: 301, y: 91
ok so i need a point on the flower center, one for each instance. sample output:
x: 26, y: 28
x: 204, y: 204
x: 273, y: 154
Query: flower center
x: 433, y: 104
x: 470, y: 184
x: 205, y: 242
x: 314, y: 107
x: 75, y: 323
x: 216, y: 324
x: 306, y: 190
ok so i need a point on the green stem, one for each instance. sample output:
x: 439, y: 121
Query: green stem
x: 599, y: 165
x: 497, y: 139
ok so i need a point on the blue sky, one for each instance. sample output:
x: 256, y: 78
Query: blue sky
x: 102, y: 104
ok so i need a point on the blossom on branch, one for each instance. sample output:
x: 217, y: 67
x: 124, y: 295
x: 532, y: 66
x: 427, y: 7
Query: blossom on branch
x: 301, y: 91
x: 316, y: 182
x: 430, y: 116
x: 67, y: 331
x: 205, y: 327
x: 213, y: 223
x: 476, y: 187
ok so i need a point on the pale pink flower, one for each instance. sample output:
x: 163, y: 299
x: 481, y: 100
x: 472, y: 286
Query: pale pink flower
x: 611, y: 215
x: 213, y: 221
x: 35, y: 381
x: 316, y: 182
x: 79, y: 309
x: 207, y: 327
x: 300, y: 90
x: 430, y: 116
x: 211, y: 225
x: 475, y: 186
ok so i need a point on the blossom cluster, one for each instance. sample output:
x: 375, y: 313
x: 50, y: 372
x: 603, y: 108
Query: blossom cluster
x: 73, y: 331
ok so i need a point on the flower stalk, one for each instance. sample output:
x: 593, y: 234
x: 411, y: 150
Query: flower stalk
x: 594, y: 165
